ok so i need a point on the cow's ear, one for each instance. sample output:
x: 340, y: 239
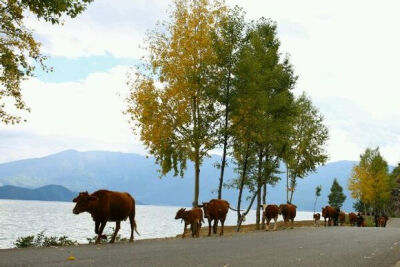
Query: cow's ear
x: 93, y: 198
x: 75, y: 200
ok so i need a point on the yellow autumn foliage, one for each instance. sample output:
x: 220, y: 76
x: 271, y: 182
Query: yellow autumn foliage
x: 370, y: 181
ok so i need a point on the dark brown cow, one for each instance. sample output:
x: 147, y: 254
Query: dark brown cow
x: 107, y: 206
x: 215, y: 210
x: 352, y: 218
x: 329, y: 213
x: 317, y: 218
x: 270, y: 212
x: 194, y: 217
x: 360, y: 220
x: 342, y: 218
x: 382, y: 221
x: 288, y: 212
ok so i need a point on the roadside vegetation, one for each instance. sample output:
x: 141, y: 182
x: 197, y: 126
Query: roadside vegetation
x: 40, y: 240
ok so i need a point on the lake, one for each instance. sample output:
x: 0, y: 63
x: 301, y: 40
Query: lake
x: 22, y: 218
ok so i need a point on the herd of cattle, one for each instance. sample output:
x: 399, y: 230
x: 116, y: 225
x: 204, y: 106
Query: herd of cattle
x: 108, y: 206
x: 337, y: 217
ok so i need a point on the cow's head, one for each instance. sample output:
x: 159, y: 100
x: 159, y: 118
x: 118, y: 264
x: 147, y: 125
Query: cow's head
x: 206, y: 209
x: 83, y: 202
x: 180, y: 213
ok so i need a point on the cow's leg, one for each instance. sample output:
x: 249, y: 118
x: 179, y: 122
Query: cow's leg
x: 275, y: 223
x: 222, y: 226
x: 192, y: 228
x: 184, y: 230
x: 117, y: 227
x: 133, y: 225
x: 198, y: 228
x: 100, y: 232
x: 292, y: 223
x: 215, y: 226
x: 96, y: 227
x: 209, y: 227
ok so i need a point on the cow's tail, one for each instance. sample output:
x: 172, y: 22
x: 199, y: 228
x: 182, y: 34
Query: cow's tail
x: 135, y: 226
x: 234, y: 209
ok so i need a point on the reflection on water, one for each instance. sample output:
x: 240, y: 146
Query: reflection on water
x: 22, y: 218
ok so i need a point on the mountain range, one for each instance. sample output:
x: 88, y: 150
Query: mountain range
x: 92, y: 170
x: 48, y: 193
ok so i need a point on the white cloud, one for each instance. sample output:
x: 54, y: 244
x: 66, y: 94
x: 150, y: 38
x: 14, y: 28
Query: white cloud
x: 346, y: 53
x: 106, y: 26
x: 85, y: 115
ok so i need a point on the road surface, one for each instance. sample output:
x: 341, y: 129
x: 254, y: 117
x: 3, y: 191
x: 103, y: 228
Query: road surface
x: 308, y: 246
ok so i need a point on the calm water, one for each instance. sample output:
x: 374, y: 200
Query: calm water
x: 22, y: 218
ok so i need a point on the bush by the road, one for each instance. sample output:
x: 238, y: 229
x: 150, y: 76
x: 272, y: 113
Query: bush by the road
x: 40, y: 240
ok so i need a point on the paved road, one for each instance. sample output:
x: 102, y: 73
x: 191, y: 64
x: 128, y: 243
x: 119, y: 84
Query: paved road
x: 331, y: 246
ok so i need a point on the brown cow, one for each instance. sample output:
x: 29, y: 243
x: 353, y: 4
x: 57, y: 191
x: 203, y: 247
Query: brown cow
x: 194, y: 217
x: 360, y: 220
x: 352, y: 218
x: 215, y: 210
x: 342, y: 218
x: 317, y: 218
x: 331, y: 213
x: 288, y: 212
x: 107, y: 206
x: 382, y: 221
x: 270, y: 212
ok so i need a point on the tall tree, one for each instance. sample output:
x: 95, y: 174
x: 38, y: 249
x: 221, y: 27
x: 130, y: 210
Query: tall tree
x: 370, y: 181
x: 336, y: 196
x: 317, y: 194
x: 263, y: 102
x: 306, y: 147
x: 172, y: 97
x: 394, y: 203
x: 227, y: 41
x: 19, y: 51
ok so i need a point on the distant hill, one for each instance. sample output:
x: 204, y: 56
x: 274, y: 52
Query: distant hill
x: 48, y: 193
x: 79, y: 171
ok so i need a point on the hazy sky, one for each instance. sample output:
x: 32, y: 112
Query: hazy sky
x: 346, y: 54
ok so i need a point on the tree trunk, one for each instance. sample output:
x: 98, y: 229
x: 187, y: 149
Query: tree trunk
x: 292, y: 185
x: 259, y: 185
x: 264, y: 201
x: 227, y: 96
x: 247, y: 211
x: 221, y: 178
x: 287, y: 183
x: 244, y: 173
x: 315, y: 203
x: 196, y: 178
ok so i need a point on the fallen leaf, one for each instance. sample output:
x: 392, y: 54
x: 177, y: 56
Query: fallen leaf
x: 71, y: 258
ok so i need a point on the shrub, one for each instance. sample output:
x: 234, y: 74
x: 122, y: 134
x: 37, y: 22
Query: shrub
x: 43, y: 241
